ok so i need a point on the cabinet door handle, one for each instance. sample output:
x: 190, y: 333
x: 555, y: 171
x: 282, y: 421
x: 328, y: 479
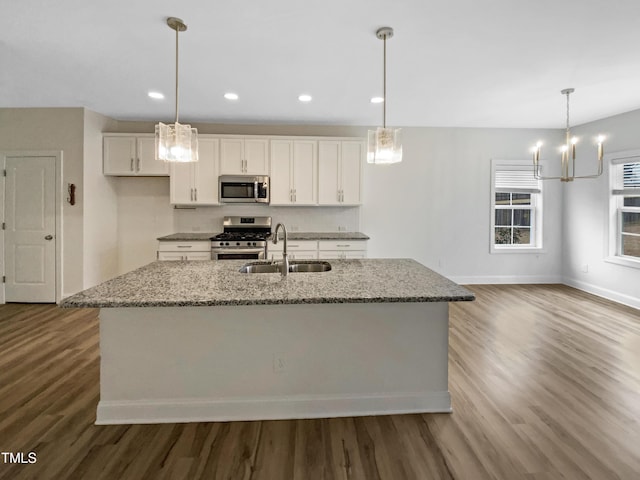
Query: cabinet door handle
x: 345, y: 246
x: 138, y: 164
x: 185, y: 246
x: 131, y: 167
x: 195, y: 190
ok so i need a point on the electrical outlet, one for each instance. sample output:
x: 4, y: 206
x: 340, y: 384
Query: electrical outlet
x: 585, y: 268
x: 279, y: 363
x: 342, y: 228
x: 293, y: 228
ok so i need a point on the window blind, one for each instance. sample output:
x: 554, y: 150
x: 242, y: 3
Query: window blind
x: 513, y: 179
x: 630, y: 179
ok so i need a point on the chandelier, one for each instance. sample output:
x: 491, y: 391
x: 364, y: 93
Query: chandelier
x: 176, y: 142
x: 567, y: 153
x: 384, y: 143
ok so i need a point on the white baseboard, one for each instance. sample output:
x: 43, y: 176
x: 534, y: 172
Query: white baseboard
x: 269, y: 408
x: 603, y: 292
x: 505, y: 279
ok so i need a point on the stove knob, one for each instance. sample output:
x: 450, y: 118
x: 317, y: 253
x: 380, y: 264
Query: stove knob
x: 238, y: 243
x: 227, y: 244
x: 254, y: 244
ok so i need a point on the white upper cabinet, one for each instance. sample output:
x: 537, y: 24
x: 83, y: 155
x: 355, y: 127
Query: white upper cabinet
x: 293, y: 172
x: 244, y: 156
x: 340, y: 172
x: 196, y: 183
x: 131, y: 155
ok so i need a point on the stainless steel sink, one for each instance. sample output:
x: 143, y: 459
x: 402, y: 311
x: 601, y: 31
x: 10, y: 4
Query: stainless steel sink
x: 294, y: 267
x: 260, y: 268
x: 309, y: 266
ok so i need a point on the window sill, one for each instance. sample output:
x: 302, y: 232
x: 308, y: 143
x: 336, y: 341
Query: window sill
x: 624, y: 261
x: 501, y: 250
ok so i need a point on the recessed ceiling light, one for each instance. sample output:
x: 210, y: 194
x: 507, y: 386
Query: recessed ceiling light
x: 377, y: 99
x: 231, y: 96
x: 304, y: 98
x: 156, y: 95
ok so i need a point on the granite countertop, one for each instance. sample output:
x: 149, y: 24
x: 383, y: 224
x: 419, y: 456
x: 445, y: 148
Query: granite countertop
x: 187, y: 237
x: 195, y: 236
x: 325, y: 236
x: 204, y: 283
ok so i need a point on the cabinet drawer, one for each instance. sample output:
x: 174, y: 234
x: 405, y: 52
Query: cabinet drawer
x: 342, y: 245
x: 185, y: 247
x: 341, y: 254
x: 297, y: 255
x: 293, y: 245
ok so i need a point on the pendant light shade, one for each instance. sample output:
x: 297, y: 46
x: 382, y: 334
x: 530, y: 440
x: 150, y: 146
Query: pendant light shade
x: 176, y: 142
x: 384, y: 144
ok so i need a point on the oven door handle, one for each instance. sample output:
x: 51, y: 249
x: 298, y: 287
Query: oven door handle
x: 255, y: 190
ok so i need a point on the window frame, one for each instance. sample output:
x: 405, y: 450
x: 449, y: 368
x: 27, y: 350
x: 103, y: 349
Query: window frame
x: 535, y: 207
x: 615, y: 161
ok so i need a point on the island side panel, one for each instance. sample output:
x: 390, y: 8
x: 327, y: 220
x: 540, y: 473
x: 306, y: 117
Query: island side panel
x: 181, y: 364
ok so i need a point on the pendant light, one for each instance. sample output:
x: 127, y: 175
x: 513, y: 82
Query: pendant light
x: 384, y: 143
x: 567, y: 168
x: 176, y: 142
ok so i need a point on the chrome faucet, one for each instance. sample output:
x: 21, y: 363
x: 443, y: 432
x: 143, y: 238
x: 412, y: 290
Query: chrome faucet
x: 284, y: 266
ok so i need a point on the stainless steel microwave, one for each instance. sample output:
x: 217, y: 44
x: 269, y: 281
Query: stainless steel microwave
x: 243, y: 189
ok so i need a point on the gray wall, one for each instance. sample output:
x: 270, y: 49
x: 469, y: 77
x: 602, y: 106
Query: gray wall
x: 586, y: 210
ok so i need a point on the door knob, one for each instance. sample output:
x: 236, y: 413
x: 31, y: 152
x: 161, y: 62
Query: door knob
x: 49, y: 237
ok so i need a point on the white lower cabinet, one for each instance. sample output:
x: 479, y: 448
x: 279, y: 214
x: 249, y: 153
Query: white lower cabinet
x: 322, y: 249
x: 296, y: 249
x: 342, y: 249
x: 176, y: 251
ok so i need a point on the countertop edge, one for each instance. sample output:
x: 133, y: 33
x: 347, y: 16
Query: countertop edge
x: 301, y: 301
x: 312, y: 236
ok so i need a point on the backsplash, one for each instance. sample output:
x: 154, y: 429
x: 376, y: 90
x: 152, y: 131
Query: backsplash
x: 297, y: 219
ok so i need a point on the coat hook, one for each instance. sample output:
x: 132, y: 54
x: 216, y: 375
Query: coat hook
x: 71, y: 188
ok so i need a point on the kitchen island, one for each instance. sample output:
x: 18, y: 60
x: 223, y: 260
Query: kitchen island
x: 200, y: 341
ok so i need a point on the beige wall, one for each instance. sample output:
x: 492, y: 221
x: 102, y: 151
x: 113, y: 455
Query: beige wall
x: 100, y: 230
x: 59, y: 129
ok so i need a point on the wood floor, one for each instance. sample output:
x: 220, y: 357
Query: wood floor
x: 545, y: 382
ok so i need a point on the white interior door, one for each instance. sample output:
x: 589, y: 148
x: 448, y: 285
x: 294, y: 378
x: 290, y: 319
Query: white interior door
x: 30, y: 229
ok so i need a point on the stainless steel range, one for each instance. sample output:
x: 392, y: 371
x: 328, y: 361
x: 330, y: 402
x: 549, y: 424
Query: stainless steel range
x: 243, y: 238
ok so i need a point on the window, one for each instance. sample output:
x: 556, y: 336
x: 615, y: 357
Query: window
x: 516, y: 207
x: 624, y: 226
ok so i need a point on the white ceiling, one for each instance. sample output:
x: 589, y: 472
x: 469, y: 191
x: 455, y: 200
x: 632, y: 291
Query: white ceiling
x: 466, y: 63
